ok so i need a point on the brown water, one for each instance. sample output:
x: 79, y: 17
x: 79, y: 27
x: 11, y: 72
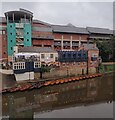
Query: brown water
x: 91, y: 98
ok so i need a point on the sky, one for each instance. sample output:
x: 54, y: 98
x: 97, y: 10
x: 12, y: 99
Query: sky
x: 80, y: 14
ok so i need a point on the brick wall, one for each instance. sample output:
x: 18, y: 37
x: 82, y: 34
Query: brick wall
x: 3, y: 47
x: 84, y: 37
x: 42, y: 42
x: 57, y: 35
x: 63, y: 72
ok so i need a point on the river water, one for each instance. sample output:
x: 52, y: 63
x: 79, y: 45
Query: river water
x: 91, y: 98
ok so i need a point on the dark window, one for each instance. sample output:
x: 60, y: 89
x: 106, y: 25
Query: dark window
x: 79, y: 55
x: 63, y: 55
x: 74, y: 56
x: 27, y: 39
x: 11, y: 40
x: 27, y: 32
x: 10, y: 33
x: 42, y: 55
x: 11, y: 26
x: 11, y: 48
x: 4, y: 52
x: 69, y: 55
x: 51, y: 56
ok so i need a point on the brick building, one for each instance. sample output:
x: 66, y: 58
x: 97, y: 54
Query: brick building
x: 42, y: 35
x: 3, y: 40
x: 69, y: 37
x: 18, y: 28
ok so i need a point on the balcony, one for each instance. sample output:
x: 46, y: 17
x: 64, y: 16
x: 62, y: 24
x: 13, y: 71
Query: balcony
x: 19, y: 25
x: 66, y: 44
x: 57, y: 43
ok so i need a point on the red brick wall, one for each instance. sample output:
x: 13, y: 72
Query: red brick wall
x: 3, y: 47
x: 90, y: 52
x: 84, y: 37
x: 67, y: 36
x: 57, y: 35
x: 37, y: 33
x: 75, y: 37
x: 42, y: 42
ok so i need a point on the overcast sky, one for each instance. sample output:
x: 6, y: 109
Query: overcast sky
x: 81, y: 14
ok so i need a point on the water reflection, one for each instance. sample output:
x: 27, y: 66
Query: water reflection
x: 49, y: 98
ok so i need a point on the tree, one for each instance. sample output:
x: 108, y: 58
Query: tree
x: 106, y: 48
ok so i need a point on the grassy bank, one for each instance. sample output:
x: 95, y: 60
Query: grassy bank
x: 107, y: 67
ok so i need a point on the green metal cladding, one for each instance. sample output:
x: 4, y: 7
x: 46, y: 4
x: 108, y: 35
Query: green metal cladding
x: 11, y: 37
x: 27, y: 34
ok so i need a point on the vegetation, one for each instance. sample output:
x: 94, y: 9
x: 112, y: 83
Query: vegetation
x: 107, y: 49
x: 106, y: 68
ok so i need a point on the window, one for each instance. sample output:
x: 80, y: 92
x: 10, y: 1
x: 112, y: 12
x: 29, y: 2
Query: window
x: 11, y: 40
x: 42, y: 55
x: 11, y: 48
x: 36, y: 64
x: 63, y: 55
x: 4, y: 52
x: 11, y: 26
x: 27, y: 39
x: 78, y: 63
x: 74, y: 56
x: 69, y: 55
x: 51, y: 56
x: 20, y: 65
x: 27, y: 32
x: 10, y: 33
x: 3, y: 32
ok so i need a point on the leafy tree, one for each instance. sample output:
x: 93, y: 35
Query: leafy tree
x: 106, y: 48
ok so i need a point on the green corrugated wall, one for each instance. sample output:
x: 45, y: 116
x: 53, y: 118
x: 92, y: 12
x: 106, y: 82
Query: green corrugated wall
x: 27, y: 34
x: 11, y: 37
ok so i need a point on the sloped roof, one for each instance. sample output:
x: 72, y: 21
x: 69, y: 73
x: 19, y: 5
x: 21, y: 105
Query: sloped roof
x: 69, y: 29
x: 38, y: 21
x: 99, y: 30
x: 36, y: 49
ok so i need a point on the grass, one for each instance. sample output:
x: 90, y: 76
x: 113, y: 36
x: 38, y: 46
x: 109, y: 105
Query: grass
x: 107, y: 68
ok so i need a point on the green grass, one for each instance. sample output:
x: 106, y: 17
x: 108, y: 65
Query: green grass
x: 107, y: 68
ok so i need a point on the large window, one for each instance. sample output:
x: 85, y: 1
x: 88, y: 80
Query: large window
x: 42, y: 56
x: 19, y: 65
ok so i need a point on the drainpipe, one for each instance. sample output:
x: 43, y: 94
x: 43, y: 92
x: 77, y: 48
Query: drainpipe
x: 87, y: 63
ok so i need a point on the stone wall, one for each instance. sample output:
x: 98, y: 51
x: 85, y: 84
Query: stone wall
x: 66, y: 71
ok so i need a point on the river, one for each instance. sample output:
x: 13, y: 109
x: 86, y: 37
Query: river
x: 91, y: 98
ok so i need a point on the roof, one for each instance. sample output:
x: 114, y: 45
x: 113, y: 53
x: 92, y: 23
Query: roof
x: 69, y: 29
x: 99, y: 30
x: 38, y: 21
x: 37, y: 49
x: 19, y: 14
x: 90, y: 47
x: 2, y: 20
x: 25, y: 54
